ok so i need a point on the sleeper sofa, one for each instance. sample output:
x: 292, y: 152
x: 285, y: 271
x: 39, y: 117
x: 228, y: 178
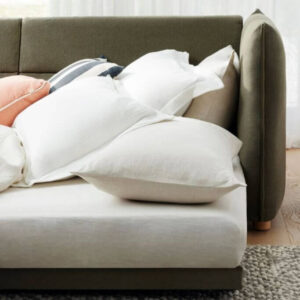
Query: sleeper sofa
x: 69, y: 235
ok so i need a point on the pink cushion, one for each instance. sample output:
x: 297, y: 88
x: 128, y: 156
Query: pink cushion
x: 17, y: 93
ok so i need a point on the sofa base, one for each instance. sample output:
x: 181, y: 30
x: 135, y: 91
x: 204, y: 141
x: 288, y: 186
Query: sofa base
x: 120, y: 279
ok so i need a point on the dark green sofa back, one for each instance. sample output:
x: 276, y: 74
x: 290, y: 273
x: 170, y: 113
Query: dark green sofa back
x: 46, y: 45
x: 261, y: 116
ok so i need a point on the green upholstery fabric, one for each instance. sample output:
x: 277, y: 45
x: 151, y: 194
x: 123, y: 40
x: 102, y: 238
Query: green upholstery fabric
x: 7, y: 74
x: 10, y: 34
x: 261, y: 116
x: 45, y: 76
x: 48, y: 45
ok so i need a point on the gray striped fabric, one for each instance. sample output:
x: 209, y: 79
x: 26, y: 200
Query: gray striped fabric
x: 84, y: 68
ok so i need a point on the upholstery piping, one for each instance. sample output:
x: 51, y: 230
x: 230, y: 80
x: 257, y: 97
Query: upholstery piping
x: 20, y: 40
x: 262, y: 125
x: 23, y: 97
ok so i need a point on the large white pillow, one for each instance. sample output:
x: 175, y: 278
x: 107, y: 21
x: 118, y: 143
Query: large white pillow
x: 181, y: 161
x: 166, y: 81
x: 58, y: 131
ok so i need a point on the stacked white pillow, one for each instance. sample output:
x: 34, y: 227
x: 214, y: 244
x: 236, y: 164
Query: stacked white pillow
x: 166, y: 81
x: 182, y: 161
x: 60, y: 130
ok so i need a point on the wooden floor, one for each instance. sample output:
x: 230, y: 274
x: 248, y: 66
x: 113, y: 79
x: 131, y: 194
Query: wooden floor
x: 286, y: 226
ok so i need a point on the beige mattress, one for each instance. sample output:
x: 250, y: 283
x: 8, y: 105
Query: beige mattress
x: 71, y: 224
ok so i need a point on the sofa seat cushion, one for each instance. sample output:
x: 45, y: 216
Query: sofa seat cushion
x: 71, y: 224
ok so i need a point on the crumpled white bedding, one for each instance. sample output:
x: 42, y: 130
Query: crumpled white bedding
x: 12, y: 157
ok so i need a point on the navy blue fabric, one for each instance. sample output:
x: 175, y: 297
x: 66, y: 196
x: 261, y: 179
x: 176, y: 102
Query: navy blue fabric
x: 113, y: 71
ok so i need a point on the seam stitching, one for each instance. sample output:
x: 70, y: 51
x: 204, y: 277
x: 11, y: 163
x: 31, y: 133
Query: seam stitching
x: 262, y: 125
x: 23, y: 97
x: 20, y: 41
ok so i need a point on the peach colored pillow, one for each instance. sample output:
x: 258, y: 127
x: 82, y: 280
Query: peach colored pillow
x: 17, y: 93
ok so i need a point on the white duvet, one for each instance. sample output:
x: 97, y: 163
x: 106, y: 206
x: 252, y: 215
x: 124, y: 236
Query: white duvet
x: 12, y: 158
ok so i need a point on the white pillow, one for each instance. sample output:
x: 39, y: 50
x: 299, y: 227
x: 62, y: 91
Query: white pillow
x: 58, y: 131
x: 218, y: 62
x: 181, y: 161
x: 166, y: 81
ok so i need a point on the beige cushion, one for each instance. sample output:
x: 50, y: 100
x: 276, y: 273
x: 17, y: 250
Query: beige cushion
x: 71, y: 224
x: 218, y: 106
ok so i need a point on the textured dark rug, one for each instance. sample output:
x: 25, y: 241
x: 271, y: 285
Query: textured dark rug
x: 270, y: 272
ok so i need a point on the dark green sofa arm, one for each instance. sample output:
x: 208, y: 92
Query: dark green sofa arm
x: 261, y: 116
